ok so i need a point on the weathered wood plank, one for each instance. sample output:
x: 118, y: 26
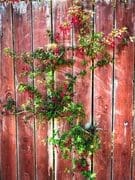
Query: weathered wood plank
x: 0, y: 95
x: 83, y: 87
x: 8, y: 139
x: 40, y: 39
x: 133, y: 111
x: 133, y: 130
x: 123, y: 106
x: 103, y: 97
x: 25, y: 137
x: 60, y: 15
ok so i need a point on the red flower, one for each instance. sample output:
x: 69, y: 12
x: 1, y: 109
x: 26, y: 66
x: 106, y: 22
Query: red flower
x: 25, y: 68
x: 56, y: 51
x: 80, y: 167
x: 31, y: 95
x: 65, y: 28
x: 109, y: 41
x: 57, y: 37
x: 75, y: 20
x: 62, y: 94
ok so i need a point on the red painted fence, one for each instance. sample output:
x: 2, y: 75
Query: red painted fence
x: 108, y: 94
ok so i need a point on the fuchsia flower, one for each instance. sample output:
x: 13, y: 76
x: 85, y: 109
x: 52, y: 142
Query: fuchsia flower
x: 56, y: 51
x: 75, y: 15
x: 25, y: 68
x: 81, y: 167
x: 109, y: 41
x: 57, y: 37
x: 65, y: 27
x: 75, y: 20
x: 80, y: 51
x: 115, y: 37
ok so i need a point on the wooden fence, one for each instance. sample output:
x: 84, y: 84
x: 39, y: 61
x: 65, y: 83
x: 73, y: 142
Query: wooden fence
x: 107, y: 94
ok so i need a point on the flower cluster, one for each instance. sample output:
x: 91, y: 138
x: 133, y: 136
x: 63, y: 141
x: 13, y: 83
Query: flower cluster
x: 77, y: 17
x: 116, y: 37
x: 65, y: 27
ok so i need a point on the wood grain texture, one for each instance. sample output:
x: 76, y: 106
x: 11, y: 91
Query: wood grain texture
x: 22, y: 153
x: 123, y: 83
x: 133, y: 138
x: 25, y: 135
x: 0, y: 100
x: 8, y: 139
x: 83, y: 87
x: 103, y: 97
x: 60, y: 15
x: 40, y: 39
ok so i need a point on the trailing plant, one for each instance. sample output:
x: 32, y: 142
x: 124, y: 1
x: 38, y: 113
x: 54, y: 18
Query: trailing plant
x: 58, y: 103
x: 9, y: 106
x: 82, y: 143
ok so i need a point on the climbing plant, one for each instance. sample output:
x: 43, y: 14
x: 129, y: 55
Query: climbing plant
x: 57, y: 103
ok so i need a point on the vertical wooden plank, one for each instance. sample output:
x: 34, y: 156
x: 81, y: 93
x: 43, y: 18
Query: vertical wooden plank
x: 0, y: 92
x: 60, y: 16
x: 83, y: 87
x: 8, y: 139
x: 25, y: 136
x: 103, y: 97
x: 40, y: 39
x: 84, y: 83
x: 133, y: 131
x: 123, y: 105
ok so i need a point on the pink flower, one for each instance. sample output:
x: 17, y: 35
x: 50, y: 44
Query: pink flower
x: 65, y: 28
